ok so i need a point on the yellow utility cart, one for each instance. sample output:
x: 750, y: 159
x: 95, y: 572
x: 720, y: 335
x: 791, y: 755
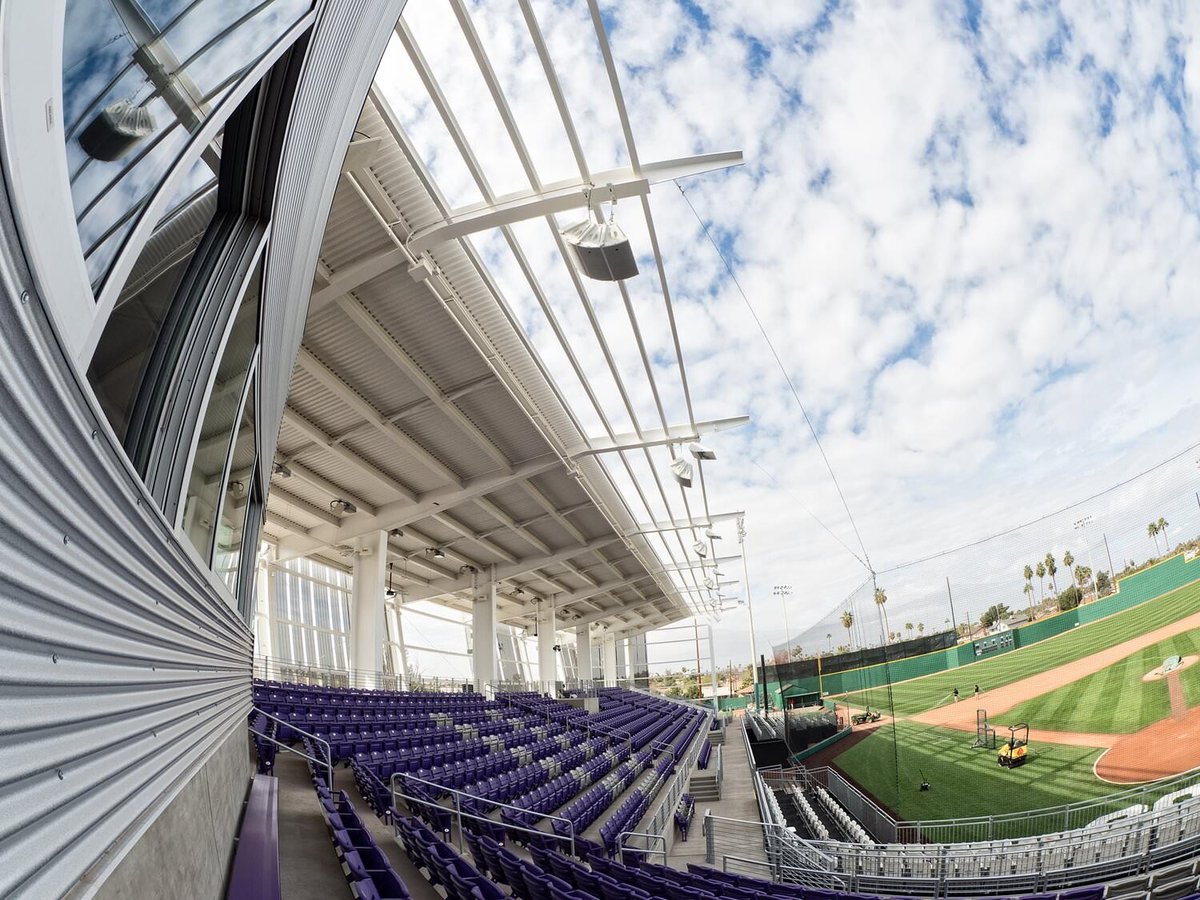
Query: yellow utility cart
x: 1016, y: 751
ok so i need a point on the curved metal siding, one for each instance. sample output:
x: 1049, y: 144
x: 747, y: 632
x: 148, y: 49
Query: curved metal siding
x: 347, y: 44
x: 121, y: 666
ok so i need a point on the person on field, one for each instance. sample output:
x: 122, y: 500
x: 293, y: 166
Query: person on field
x: 976, y: 690
x: 956, y: 695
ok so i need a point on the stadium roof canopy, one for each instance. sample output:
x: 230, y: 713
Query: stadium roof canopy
x: 421, y: 406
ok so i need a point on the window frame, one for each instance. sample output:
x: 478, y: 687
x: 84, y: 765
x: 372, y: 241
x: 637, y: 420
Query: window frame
x: 31, y: 43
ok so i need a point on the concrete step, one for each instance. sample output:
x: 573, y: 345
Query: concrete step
x: 716, y: 737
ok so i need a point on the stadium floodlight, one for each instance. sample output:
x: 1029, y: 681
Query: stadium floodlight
x: 345, y: 506
x: 681, y: 470
x: 700, y: 548
x: 699, y: 451
x: 710, y: 583
x: 711, y: 535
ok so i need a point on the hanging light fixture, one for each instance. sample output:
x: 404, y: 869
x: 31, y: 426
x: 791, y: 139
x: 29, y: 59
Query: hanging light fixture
x: 681, y: 470
x: 391, y: 591
x: 601, y: 249
x: 116, y: 130
x: 700, y: 548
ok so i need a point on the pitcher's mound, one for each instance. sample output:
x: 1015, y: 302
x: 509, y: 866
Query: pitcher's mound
x: 1165, y: 748
x: 1157, y: 674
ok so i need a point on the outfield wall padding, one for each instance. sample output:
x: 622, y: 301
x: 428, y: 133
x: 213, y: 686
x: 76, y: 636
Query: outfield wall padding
x: 1132, y: 590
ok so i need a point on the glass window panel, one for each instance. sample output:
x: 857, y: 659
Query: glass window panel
x: 228, y: 550
x: 217, y: 429
x: 139, y: 77
x: 132, y: 330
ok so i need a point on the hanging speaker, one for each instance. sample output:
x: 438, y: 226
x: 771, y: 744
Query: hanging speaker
x: 601, y: 250
x: 116, y: 130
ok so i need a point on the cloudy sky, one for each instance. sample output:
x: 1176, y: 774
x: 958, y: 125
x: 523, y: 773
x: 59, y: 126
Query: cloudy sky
x: 971, y: 231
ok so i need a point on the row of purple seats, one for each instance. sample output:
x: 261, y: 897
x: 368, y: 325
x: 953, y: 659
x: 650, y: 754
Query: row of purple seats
x: 441, y: 865
x: 705, y: 754
x: 350, y: 697
x: 589, y: 805
x: 510, y: 785
x: 684, y: 813
x: 527, y: 880
x: 626, y: 817
x: 261, y: 729
x: 367, y: 869
x: 534, y: 742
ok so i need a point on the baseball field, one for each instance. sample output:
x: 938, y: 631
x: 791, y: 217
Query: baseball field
x: 1099, y: 712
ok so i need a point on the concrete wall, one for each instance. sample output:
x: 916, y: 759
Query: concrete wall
x: 187, y: 850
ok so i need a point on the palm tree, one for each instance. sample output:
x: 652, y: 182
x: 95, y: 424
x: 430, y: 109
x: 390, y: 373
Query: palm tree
x: 920, y: 628
x: 1051, y: 568
x: 880, y: 601
x: 1028, y: 573
x: 1152, y: 530
x: 1083, y: 575
x: 847, y: 621
x: 1029, y: 597
x: 1041, y: 574
x: 1068, y: 561
x: 1162, y: 529
x: 829, y: 637
x: 908, y: 626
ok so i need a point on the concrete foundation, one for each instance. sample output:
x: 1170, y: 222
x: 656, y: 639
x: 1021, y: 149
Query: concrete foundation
x: 187, y: 850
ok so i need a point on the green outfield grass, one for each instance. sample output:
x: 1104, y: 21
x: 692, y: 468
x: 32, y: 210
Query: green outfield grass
x: 1115, y: 701
x: 966, y: 782
x: 921, y: 694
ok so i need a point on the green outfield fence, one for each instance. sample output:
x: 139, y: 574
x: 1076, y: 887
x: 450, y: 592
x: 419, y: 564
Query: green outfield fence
x: 1133, y: 590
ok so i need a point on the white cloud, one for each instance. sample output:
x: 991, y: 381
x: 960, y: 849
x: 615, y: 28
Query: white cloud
x: 975, y: 254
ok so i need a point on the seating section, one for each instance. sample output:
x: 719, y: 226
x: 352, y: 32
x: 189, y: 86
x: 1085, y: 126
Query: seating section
x: 368, y: 871
x: 519, y: 763
x: 705, y: 754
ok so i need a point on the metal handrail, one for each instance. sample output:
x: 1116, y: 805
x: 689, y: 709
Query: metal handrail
x: 320, y: 740
x: 458, y: 806
x: 621, y: 848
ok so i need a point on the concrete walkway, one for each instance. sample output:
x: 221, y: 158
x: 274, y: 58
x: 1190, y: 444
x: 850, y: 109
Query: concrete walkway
x: 737, y: 802
x: 308, y: 866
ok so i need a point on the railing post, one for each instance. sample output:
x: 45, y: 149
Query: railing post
x: 710, y: 855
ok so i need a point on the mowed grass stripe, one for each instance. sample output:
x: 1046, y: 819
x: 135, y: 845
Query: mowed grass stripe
x: 1115, y: 700
x: 964, y: 781
x: 920, y: 694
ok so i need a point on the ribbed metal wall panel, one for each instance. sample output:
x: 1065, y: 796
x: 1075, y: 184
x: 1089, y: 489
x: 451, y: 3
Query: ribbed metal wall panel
x: 121, y: 666
x: 348, y: 42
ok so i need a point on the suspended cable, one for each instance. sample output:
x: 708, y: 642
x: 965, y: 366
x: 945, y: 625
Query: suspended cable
x: 1050, y: 515
x: 866, y: 559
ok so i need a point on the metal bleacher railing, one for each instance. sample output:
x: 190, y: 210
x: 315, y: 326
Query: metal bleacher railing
x: 653, y: 833
x: 271, y: 669
x: 1127, y: 833
x: 415, y: 804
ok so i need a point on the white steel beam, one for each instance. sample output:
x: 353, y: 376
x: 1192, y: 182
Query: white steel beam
x: 332, y: 382
x: 363, y: 318
x: 563, y: 196
x: 304, y: 473
x: 511, y: 570
x: 279, y: 495
x: 706, y: 522
x: 314, y: 434
x: 400, y: 514
x: 717, y: 560
x: 653, y: 437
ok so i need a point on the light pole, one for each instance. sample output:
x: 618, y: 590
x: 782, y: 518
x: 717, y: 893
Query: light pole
x: 784, y: 592
x: 1083, y: 525
x: 741, y: 529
